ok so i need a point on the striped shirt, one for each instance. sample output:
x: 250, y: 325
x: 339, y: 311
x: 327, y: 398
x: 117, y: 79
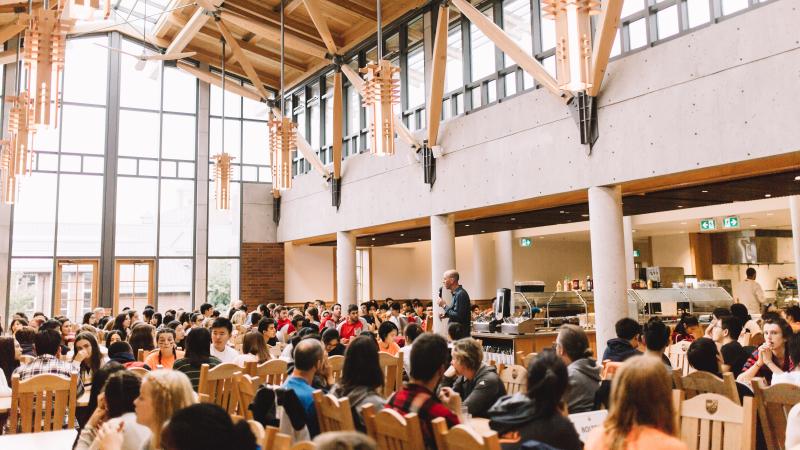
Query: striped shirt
x: 48, y: 364
x: 193, y: 371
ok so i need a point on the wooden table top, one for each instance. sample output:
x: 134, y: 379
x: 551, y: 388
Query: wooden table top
x: 5, y: 402
x: 50, y: 440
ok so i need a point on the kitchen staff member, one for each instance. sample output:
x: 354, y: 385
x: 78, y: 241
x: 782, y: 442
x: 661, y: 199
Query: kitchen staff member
x: 459, y: 310
x: 751, y: 295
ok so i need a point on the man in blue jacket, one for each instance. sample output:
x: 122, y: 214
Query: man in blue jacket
x: 459, y: 310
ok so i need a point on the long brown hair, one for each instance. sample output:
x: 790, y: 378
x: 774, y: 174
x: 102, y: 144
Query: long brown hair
x: 253, y: 344
x: 641, y: 394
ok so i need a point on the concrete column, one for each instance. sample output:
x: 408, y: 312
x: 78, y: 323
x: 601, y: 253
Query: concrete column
x: 443, y: 258
x: 608, y: 261
x: 345, y: 269
x: 6, y: 216
x: 482, y: 284
x: 504, y: 259
x: 630, y: 267
x: 794, y: 211
x: 201, y: 195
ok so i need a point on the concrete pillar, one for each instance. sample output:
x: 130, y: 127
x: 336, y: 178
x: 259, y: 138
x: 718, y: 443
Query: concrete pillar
x: 630, y: 267
x: 482, y: 284
x: 794, y: 211
x: 443, y: 258
x: 345, y: 269
x: 504, y: 259
x: 608, y: 261
x: 6, y: 216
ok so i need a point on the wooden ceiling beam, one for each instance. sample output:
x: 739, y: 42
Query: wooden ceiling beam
x: 188, y: 31
x: 312, y: 6
x: 8, y: 56
x: 11, y: 30
x: 352, y: 7
x: 258, y: 12
x: 607, y: 26
x: 214, y: 79
x: 290, y: 6
x: 238, y: 53
x: 438, y: 75
x: 273, y: 33
x: 213, y: 60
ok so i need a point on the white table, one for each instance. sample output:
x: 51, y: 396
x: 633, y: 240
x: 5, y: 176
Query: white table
x: 50, y: 440
x: 5, y: 402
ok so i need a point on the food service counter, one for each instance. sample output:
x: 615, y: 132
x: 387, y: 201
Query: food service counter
x: 520, y: 345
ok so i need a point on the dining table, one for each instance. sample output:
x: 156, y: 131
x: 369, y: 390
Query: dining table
x: 49, y: 440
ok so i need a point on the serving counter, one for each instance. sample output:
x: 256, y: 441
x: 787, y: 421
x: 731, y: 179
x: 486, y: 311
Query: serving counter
x: 517, y: 346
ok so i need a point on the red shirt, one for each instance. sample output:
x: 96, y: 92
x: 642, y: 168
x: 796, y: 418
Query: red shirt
x: 284, y: 322
x: 417, y: 399
x: 350, y: 330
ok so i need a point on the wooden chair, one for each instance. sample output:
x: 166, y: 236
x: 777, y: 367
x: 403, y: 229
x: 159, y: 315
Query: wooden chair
x: 756, y: 340
x: 238, y: 341
x: 246, y: 388
x: 609, y: 369
x: 140, y: 355
x: 275, y: 440
x: 677, y: 356
x: 393, y: 431
x: 336, y: 363
x: 514, y: 378
x: 276, y: 350
x: 273, y: 371
x: 139, y: 371
x: 773, y: 405
x: 392, y: 368
x: 713, y: 421
x: 217, y: 385
x: 705, y: 383
x: 333, y: 414
x: 460, y: 437
x: 40, y: 403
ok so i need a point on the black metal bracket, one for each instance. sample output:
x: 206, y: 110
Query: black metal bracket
x: 276, y: 209
x: 584, y: 111
x: 428, y: 163
x: 336, y: 191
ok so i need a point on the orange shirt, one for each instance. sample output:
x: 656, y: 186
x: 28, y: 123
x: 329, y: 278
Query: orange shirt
x: 640, y: 438
x: 392, y: 349
x: 166, y: 361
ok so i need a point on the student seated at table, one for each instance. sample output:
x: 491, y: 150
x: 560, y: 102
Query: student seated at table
x: 641, y: 415
x: 361, y: 377
x: 254, y: 349
x: 10, y: 353
x: 221, y: 330
x: 687, y: 329
x: 749, y: 327
x: 330, y: 339
x: 163, y: 392
x: 206, y: 426
x: 166, y: 355
x: 429, y: 358
x: 413, y: 331
x: 572, y: 346
x: 386, y: 334
x: 116, y: 405
x: 771, y: 357
x: 308, y: 360
x: 48, y: 348
x: 625, y: 344
x: 703, y: 356
x: 477, y: 383
x: 198, y: 347
x: 87, y: 357
x: 726, y: 335
x: 656, y: 339
x: 538, y: 414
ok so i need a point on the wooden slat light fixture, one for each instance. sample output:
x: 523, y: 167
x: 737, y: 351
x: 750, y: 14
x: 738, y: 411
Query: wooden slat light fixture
x: 573, y: 41
x: 222, y: 180
x: 282, y: 139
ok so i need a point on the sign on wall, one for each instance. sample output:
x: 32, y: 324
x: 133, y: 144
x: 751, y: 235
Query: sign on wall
x: 731, y: 222
x: 708, y: 225
x: 525, y: 242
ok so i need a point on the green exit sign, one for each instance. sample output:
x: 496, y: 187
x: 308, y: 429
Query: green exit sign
x: 525, y: 242
x: 708, y: 225
x: 636, y: 253
x: 731, y: 222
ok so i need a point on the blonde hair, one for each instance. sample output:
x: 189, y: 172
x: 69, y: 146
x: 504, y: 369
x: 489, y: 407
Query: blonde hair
x: 641, y: 394
x: 239, y: 317
x: 170, y: 390
x: 468, y: 352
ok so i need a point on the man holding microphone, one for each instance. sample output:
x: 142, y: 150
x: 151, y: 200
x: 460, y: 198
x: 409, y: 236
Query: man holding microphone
x: 459, y: 310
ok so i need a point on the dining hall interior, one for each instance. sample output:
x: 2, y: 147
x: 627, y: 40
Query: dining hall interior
x: 556, y: 224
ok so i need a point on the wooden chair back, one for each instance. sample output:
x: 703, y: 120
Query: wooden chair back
x: 139, y: 371
x: 705, y: 383
x: 40, y: 403
x: 216, y: 385
x: 246, y: 387
x: 238, y: 342
x: 713, y: 421
x: 773, y: 404
x: 393, y: 431
x: 336, y: 363
x: 140, y: 355
x: 276, y: 350
x: 677, y: 357
x: 273, y: 371
x: 514, y: 378
x: 609, y: 369
x: 392, y: 367
x: 333, y: 414
x: 460, y: 437
x: 275, y: 440
x: 25, y: 359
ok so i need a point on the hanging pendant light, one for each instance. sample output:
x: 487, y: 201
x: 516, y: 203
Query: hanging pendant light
x: 381, y: 93
x: 45, y: 45
x: 222, y: 160
x: 282, y: 136
x: 573, y: 41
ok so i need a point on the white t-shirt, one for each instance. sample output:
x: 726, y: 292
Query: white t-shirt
x: 752, y: 296
x: 244, y: 358
x: 793, y: 427
x: 226, y: 356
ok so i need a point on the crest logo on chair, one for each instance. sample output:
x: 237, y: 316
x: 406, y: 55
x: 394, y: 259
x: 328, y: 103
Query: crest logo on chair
x: 712, y: 406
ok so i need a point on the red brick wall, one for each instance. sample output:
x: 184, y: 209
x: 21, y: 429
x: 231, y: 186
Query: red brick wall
x: 262, y: 273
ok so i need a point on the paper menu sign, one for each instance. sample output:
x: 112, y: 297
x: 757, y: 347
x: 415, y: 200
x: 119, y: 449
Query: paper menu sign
x: 587, y: 421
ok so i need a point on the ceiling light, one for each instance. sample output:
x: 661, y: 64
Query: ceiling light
x: 561, y: 212
x: 753, y: 225
x: 419, y: 239
x: 683, y: 223
x: 466, y: 224
x: 513, y: 218
x: 770, y: 214
x: 704, y: 192
x: 633, y: 231
x: 402, y: 234
x: 584, y: 215
x: 768, y: 195
x: 373, y: 239
x: 680, y: 206
x: 483, y: 231
x: 541, y: 237
x: 797, y: 178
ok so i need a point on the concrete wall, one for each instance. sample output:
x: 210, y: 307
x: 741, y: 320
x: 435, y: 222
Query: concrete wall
x: 551, y: 261
x: 672, y: 251
x: 309, y: 273
x: 723, y: 94
x: 257, y: 223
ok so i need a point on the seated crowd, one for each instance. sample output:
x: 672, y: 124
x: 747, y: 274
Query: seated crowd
x: 443, y: 378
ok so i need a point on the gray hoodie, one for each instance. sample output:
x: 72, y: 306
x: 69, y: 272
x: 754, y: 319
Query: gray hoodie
x: 584, y: 379
x: 480, y: 393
